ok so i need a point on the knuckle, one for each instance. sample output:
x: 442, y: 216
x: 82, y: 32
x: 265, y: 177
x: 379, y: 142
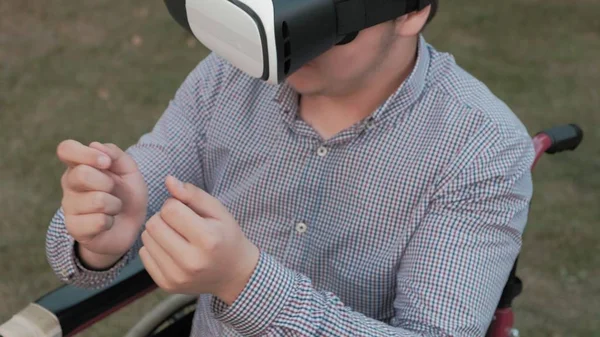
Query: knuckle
x: 169, y: 287
x: 151, y: 225
x: 64, y: 179
x: 110, y: 183
x: 109, y: 221
x: 211, y: 245
x: 212, y: 242
x: 102, y: 223
x: 179, y: 278
x: 65, y: 202
x: 70, y: 226
x: 98, y: 202
x: 103, y: 181
x: 119, y: 205
x: 170, y: 207
x: 144, y: 237
x: 68, y: 205
x: 162, y: 284
x: 81, y: 173
x: 193, y: 265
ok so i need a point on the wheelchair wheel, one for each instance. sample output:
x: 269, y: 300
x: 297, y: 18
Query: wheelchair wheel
x: 171, y: 317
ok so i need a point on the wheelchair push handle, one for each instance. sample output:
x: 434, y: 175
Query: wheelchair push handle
x: 563, y: 138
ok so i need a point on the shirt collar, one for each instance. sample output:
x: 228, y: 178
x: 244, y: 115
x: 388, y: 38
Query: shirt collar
x: 287, y: 98
x: 403, y: 98
x: 411, y: 89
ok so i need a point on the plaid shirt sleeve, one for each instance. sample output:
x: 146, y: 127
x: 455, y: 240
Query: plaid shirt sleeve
x: 452, y: 272
x: 174, y: 146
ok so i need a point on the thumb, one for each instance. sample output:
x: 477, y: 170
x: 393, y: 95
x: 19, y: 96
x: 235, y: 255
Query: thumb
x: 197, y: 199
x: 121, y: 162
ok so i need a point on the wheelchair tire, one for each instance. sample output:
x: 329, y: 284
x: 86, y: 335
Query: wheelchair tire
x: 171, y: 317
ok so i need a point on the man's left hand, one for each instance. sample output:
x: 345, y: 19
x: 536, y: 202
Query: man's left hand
x: 193, y: 245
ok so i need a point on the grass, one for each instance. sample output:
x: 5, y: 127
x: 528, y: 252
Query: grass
x: 105, y: 70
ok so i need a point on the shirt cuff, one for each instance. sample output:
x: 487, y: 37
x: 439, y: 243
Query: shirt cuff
x: 264, y: 297
x: 62, y: 257
x: 82, y: 276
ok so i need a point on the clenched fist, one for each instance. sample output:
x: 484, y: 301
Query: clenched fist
x: 104, y: 200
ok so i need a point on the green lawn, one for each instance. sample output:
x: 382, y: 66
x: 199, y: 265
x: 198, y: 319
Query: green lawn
x: 105, y: 70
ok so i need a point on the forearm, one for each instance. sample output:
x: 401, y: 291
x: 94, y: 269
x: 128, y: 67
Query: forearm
x: 79, y: 266
x: 280, y: 302
x: 174, y: 146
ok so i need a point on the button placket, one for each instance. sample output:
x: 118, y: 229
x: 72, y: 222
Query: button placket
x: 297, y: 245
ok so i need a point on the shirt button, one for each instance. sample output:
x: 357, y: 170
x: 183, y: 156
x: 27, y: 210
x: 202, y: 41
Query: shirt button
x: 322, y: 151
x: 301, y: 227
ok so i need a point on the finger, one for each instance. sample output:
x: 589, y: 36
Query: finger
x: 72, y: 153
x: 183, y: 220
x: 85, y: 227
x: 93, y: 202
x: 165, y: 263
x: 152, y: 268
x: 178, y: 248
x: 83, y: 178
x: 122, y: 163
x: 197, y: 199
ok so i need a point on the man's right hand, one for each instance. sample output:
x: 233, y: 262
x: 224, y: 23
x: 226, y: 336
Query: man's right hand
x: 104, y: 200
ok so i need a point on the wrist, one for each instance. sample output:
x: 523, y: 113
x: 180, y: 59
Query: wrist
x: 95, y: 261
x: 240, y: 277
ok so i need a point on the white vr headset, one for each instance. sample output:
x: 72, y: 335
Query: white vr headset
x: 270, y: 39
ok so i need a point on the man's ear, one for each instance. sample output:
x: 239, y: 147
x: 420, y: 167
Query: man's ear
x: 412, y: 24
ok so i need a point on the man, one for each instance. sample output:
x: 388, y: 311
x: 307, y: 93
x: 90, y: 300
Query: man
x: 380, y: 191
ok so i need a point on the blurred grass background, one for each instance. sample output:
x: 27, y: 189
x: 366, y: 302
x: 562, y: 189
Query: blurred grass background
x: 105, y: 70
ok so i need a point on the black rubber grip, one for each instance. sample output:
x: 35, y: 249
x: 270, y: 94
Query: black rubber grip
x: 512, y: 288
x: 564, y: 138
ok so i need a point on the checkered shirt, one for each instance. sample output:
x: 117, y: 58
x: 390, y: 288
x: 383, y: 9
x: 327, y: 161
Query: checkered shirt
x: 405, y: 224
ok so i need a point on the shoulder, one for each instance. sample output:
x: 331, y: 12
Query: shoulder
x: 473, y: 126
x: 214, y: 80
x: 207, y: 77
x: 466, y: 102
x: 216, y: 75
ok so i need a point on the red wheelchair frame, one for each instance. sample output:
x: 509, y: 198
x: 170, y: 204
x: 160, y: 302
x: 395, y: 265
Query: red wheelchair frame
x: 69, y: 310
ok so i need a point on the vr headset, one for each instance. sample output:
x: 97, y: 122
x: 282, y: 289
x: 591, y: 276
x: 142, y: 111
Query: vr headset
x: 270, y: 39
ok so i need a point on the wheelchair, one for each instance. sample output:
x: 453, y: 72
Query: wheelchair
x: 68, y: 310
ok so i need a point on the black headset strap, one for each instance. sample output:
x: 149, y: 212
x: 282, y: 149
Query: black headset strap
x: 355, y: 15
